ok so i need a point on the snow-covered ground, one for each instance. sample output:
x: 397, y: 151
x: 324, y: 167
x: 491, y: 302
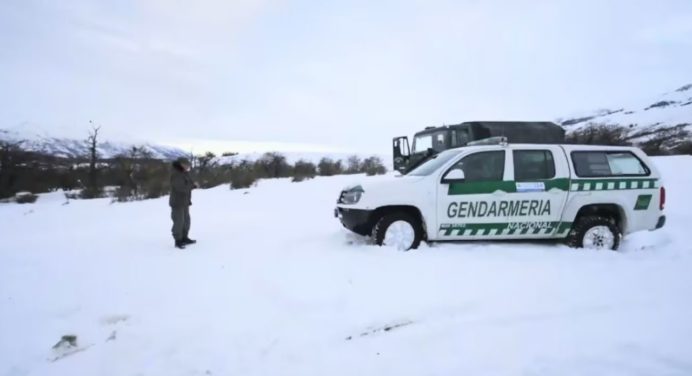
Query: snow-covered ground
x: 276, y: 287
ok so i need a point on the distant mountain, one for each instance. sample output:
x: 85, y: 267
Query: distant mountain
x: 33, y: 138
x: 44, y: 143
x: 645, y: 119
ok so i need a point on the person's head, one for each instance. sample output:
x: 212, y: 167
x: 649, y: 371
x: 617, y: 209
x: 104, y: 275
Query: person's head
x: 184, y: 163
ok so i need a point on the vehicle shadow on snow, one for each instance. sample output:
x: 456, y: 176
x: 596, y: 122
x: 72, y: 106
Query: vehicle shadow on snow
x: 366, y: 243
x: 634, y: 243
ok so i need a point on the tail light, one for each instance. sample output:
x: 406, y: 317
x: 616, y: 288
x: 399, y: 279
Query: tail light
x: 662, y: 201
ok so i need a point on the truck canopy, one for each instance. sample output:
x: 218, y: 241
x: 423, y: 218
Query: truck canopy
x: 451, y: 136
x: 519, y: 132
x: 434, y: 140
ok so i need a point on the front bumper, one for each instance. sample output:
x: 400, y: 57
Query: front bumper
x: 356, y: 220
x: 661, y: 222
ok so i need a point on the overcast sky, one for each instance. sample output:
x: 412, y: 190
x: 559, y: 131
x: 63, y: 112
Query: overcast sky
x: 346, y: 75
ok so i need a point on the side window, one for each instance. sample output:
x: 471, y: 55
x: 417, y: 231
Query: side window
x: 463, y: 137
x: 483, y: 166
x: 604, y: 163
x: 533, y: 165
x: 460, y: 137
x: 439, y: 143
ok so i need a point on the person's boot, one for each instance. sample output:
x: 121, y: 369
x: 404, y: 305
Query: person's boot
x: 187, y: 241
x: 179, y: 244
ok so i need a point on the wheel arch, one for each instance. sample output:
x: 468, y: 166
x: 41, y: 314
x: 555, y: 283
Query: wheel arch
x: 609, y: 210
x: 410, y: 209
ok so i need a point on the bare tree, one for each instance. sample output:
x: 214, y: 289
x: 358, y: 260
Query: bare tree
x: 134, y: 169
x: 303, y: 170
x: 329, y: 167
x: 354, y: 165
x: 273, y: 165
x: 206, y: 161
x: 208, y: 172
x: 666, y: 141
x: 684, y: 148
x: 93, y: 189
x: 373, y: 166
x: 10, y: 154
x: 600, y: 134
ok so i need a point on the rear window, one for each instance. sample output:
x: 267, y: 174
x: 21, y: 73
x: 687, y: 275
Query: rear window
x: 608, y: 163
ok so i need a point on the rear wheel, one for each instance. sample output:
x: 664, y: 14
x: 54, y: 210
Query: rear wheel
x: 595, y: 232
x: 400, y: 230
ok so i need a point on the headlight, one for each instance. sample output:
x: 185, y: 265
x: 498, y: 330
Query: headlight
x: 351, y: 196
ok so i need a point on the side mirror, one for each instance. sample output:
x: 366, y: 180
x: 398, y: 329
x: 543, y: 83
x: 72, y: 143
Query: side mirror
x: 454, y: 176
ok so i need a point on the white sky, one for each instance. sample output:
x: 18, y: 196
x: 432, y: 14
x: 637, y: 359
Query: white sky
x: 341, y: 75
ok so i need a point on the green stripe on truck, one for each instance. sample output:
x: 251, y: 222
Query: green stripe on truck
x: 643, y: 202
x: 507, y: 186
x: 581, y: 185
x: 506, y: 228
x: 563, y: 184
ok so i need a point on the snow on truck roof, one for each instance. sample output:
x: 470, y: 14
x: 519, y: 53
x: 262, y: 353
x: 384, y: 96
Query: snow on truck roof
x: 503, y: 123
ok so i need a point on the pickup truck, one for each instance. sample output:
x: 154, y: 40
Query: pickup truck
x: 587, y: 196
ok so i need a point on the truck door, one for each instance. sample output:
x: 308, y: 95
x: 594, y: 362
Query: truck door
x: 402, y: 153
x: 541, y: 176
x: 469, y: 194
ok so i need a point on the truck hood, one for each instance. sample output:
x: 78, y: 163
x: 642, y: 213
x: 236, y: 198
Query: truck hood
x: 383, y: 182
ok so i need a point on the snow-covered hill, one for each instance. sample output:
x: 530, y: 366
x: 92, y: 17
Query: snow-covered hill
x: 33, y: 139
x: 643, y: 119
x: 275, y: 286
x: 673, y: 109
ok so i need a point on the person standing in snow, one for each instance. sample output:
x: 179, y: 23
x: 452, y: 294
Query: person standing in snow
x: 180, y: 200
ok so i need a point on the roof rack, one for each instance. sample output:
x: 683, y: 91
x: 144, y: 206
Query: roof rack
x: 497, y: 140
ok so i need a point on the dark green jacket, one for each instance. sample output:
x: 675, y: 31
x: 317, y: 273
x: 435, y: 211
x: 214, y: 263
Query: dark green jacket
x: 181, y: 187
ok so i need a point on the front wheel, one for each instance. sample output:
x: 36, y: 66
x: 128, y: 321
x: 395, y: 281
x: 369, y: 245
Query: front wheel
x: 400, y: 230
x: 595, y: 232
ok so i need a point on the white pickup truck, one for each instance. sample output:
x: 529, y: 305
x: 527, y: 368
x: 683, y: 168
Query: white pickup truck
x: 587, y: 196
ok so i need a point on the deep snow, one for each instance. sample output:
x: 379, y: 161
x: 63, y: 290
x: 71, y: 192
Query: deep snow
x: 275, y: 287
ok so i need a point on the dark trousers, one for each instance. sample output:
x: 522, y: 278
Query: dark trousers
x: 181, y: 222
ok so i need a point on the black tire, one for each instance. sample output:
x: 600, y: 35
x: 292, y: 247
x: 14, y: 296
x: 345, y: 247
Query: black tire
x: 575, y: 238
x: 380, y: 229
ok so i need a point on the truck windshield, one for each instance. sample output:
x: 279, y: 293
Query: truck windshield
x: 422, y: 143
x: 436, y: 141
x: 435, y: 162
